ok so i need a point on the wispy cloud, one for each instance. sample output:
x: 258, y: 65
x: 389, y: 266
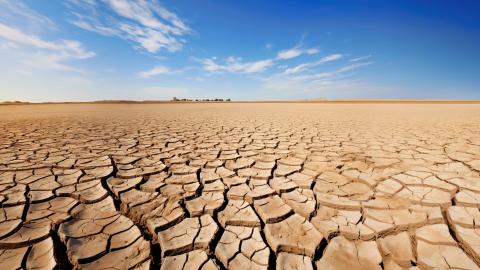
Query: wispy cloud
x: 294, y: 86
x: 8, y: 45
x: 360, y: 58
x: 353, y: 66
x: 157, y: 70
x: 31, y: 49
x: 235, y: 65
x: 304, y: 66
x: 305, y: 77
x: 148, y: 25
x: 67, y: 48
x: 326, y: 80
x: 15, y: 12
x: 330, y: 74
x: 48, y: 61
x: 295, y: 52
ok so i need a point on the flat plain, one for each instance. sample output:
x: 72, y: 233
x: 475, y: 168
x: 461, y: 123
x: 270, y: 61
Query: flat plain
x: 240, y: 186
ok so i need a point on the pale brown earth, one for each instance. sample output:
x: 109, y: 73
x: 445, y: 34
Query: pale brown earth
x: 240, y: 186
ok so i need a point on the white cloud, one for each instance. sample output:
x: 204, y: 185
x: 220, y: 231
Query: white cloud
x: 330, y: 74
x: 47, y: 61
x: 158, y: 70
x: 210, y: 65
x: 295, y: 52
x: 68, y: 48
x: 353, y: 66
x: 18, y: 36
x: 35, y: 52
x: 15, y: 12
x: 295, y: 83
x: 359, y: 58
x: 323, y: 60
x: 287, y: 54
x: 295, y: 87
x: 236, y: 65
x: 21, y: 29
x: 328, y: 88
x: 302, y: 78
x: 8, y: 45
x: 147, y: 24
x: 252, y: 67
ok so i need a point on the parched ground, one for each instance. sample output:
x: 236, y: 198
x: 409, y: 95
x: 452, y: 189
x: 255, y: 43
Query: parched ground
x: 240, y: 186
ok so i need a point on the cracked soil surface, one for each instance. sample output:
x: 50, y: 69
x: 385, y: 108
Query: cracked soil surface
x: 240, y: 186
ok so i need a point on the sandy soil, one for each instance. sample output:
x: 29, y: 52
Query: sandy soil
x: 238, y: 186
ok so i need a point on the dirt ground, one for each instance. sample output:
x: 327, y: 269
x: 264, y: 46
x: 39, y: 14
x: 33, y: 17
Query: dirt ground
x: 239, y: 186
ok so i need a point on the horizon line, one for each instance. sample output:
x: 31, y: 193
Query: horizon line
x: 319, y: 100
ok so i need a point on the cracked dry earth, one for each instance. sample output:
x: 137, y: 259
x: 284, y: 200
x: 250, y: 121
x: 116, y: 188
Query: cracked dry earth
x: 240, y: 186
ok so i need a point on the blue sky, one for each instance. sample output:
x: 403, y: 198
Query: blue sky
x: 118, y: 49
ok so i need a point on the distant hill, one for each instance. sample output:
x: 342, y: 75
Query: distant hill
x: 15, y: 102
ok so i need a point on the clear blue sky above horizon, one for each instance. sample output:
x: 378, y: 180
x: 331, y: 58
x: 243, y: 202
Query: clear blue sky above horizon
x: 117, y: 49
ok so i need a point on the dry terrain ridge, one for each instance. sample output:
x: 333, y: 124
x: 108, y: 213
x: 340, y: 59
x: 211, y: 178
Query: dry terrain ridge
x: 240, y: 186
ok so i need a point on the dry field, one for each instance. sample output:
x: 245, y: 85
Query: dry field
x: 240, y: 186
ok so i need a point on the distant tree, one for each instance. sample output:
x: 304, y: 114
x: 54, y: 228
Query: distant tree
x: 175, y: 99
x: 228, y: 100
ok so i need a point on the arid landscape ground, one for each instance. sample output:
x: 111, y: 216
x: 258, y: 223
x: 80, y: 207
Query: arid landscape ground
x: 240, y: 186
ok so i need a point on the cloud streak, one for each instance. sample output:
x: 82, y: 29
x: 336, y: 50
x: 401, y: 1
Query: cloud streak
x: 157, y: 70
x: 304, y: 66
x: 330, y: 74
x: 235, y: 65
x: 20, y: 29
x: 67, y: 48
x: 15, y: 12
x: 300, y: 81
x: 148, y: 25
x: 360, y: 58
x: 295, y: 52
x: 28, y: 47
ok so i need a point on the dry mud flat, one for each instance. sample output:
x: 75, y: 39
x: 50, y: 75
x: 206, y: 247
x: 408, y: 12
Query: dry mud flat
x: 240, y: 186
